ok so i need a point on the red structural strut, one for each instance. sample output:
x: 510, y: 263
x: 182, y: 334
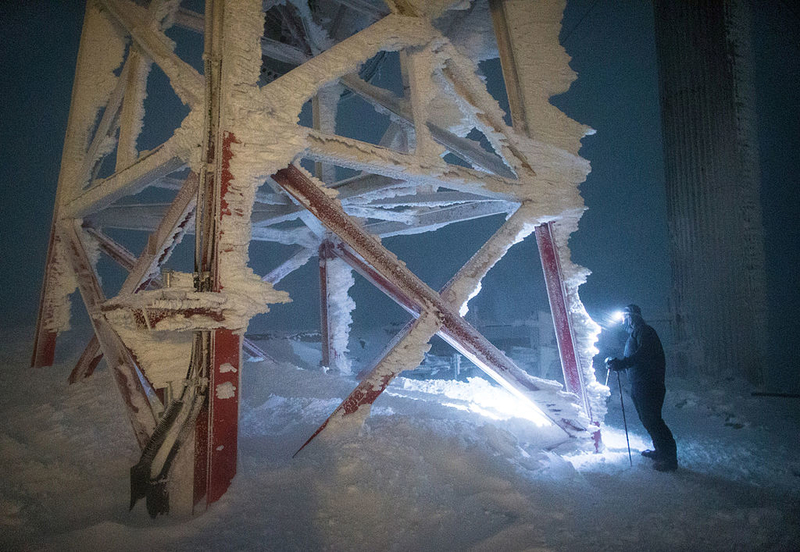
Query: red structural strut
x: 223, y: 413
x: 134, y: 389
x: 559, y: 308
x: 44, y: 343
x: 217, y: 426
x: 409, y: 290
x: 325, y: 255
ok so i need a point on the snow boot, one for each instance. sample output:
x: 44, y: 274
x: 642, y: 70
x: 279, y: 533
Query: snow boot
x: 666, y: 464
x: 650, y: 454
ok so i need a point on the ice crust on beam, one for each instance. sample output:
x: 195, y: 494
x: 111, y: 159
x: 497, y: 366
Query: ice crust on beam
x: 266, y: 135
x: 585, y: 329
x: 537, y: 37
x: 405, y: 352
x: 101, y: 53
x: 340, y: 307
x: 470, y: 30
x: 132, y: 112
x: 162, y: 161
x: 543, y: 71
x: 185, y: 80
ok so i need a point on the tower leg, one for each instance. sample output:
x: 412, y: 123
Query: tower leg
x: 565, y: 337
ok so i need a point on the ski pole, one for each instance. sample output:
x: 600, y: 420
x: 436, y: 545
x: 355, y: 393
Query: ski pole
x: 624, y: 421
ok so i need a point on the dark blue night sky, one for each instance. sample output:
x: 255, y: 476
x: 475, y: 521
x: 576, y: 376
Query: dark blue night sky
x: 622, y: 238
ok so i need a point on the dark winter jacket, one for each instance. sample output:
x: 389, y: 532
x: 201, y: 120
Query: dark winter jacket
x: 644, y: 357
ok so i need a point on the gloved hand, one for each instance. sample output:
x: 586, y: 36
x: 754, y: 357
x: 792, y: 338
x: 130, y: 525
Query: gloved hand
x: 614, y: 364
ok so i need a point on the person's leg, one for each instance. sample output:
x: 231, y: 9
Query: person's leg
x: 636, y: 393
x: 650, y: 404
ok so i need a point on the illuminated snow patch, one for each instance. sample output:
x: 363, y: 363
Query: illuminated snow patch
x: 474, y: 408
x: 615, y: 452
x: 476, y: 395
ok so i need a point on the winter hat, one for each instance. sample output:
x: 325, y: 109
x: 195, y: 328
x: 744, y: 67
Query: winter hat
x: 632, y: 309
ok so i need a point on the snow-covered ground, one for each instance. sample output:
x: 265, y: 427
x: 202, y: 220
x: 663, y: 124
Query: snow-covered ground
x: 439, y: 465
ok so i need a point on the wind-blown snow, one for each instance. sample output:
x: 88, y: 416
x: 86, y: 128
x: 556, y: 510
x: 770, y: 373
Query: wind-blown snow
x: 428, y: 471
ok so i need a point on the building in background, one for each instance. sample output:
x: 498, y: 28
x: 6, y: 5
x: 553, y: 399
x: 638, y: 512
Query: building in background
x: 712, y: 178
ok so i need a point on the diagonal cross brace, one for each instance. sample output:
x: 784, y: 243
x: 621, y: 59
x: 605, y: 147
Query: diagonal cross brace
x: 185, y: 80
x: 126, y: 374
x: 418, y: 296
x: 418, y: 332
x: 158, y: 248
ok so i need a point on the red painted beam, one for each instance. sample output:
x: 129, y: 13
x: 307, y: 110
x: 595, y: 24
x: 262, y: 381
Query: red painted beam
x: 44, y: 340
x: 126, y: 373
x: 91, y: 357
x: 216, y: 449
x: 409, y: 288
x: 324, y: 322
x: 559, y: 308
x: 223, y: 420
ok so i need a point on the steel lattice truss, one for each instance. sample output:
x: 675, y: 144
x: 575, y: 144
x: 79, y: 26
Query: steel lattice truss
x: 174, y: 341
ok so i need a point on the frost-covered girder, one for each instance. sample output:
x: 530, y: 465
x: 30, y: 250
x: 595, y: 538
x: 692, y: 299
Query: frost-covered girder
x: 141, y: 404
x: 264, y: 62
x: 398, y: 281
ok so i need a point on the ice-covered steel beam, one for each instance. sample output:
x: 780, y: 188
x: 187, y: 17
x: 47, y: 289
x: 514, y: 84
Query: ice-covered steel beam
x: 105, y: 126
x: 365, y: 184
x: 288, y: 266
x: 414, y: 290
x: 283, y: 52
x: 574, y: 380
x: 437, y: 199
x: 185, y: 80
x: 296, y: 236
x: 142, y: 217
x: 161, y: 243
x: 116, y: 251
x: 131, y: 180
x: 139, y: 400
x: 93, y: 84
x: 471, y: 152
x: 508, y: 62
x: 364, y: 156
x: 468, y: 150
x: 440, y: 217
x: 365, y: 8
x: 350, y: 188
x: 87, y: 362
x: 132, y: 111
x: 190, y: 20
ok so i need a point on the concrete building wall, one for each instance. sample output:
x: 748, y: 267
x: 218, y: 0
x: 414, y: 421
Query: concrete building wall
x: 712, y: 180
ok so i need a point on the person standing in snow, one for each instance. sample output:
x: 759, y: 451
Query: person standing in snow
x: 644, y: 358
